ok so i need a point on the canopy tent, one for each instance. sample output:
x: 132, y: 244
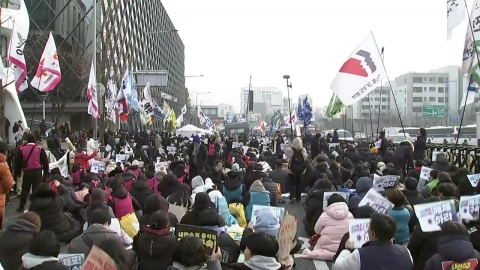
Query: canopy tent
x: 188, y: 130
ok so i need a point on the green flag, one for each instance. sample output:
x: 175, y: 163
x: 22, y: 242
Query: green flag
x: 334, y: 107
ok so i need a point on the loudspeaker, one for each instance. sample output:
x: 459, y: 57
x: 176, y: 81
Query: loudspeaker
x: 250, y: 101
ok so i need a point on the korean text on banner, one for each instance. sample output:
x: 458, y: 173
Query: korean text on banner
x: 358, y: 229
x: 98, y: 259
x: 432, y: 215
x: 383, y: 183
x: 469, y: 208
x: 208, y: 236
x: 286, y: 235
x: 326, y: 196
x: 360, y: 74
x: 375, y: 200
x: 72, y: 261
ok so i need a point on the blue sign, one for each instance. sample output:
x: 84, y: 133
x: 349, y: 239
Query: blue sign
x: 457, y: 118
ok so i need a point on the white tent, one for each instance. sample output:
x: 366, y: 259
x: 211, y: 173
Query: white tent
x: 188, y: 130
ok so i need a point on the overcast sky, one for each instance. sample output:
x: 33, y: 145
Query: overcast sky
x: 227, y: 41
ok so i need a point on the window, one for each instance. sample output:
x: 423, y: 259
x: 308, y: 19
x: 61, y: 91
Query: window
x: 417, y: 99
x: 377, y: 106
x: 377, y: 99
x: 441, y: 80
x: 441, y: 99
x: 384, y: 92
x: 432, y: 89
x: 446, y: 99
x: 424, y: 98
x: 432, y: 79
x: 417, y: 79
x: 384, y: 107
x: 365, y: 107
x: 417, y: 89
x: 365, y: 115
x: 441, y: 89
x: 384, y: 99
x: 417, y: 109
x: 432, y: 99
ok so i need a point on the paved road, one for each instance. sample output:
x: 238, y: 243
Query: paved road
x: 294, y: 209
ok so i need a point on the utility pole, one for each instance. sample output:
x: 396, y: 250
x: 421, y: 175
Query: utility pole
x: 289, y: 85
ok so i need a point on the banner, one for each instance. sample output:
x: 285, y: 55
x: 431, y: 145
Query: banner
x: 432, y: 215
x: 375, y: 200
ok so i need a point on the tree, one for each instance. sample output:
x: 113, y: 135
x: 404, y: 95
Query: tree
x: 75, y: 67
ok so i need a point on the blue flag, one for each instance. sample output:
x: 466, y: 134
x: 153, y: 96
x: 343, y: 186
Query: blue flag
x: 133, y: 98
x: 307, y: 112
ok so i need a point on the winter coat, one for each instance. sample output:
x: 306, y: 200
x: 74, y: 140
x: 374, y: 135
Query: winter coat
x: 413, y: 197
x: 419, y: 148
x: 422, y: 246
x: 152, y: 204
x: 32, y: 262
x: 456, y: 248
x: 279, y: 176
x: 6, y: 183
x: 320, y: 167
x: 140, y: 191
x: 83, y: 159
x: 94, y: 235
x: 14, y: 243
x: 331, y: 226
x: 401, y: 215
x: 313, y: 210
x: 257, y: 195
x: 49, y: 206
x: 154, y: 248
x: 364, y: 184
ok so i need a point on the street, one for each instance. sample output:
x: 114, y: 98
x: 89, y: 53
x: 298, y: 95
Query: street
x: 294, y: 209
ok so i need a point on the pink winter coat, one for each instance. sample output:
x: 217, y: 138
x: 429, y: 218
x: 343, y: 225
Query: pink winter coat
x: 331, y: 226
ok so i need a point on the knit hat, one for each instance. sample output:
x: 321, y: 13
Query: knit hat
x: 374, y: 150
x: 196, y: 139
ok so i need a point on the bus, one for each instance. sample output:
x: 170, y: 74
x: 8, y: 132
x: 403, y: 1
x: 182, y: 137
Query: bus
x: 411, y: 131
x: 441, y: 134
x: 468, y: 135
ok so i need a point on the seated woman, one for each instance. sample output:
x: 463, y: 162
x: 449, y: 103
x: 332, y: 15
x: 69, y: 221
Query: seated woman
x: 260, y: 252
x: 153, y: 204
x: 123, y: 206
x: 256, y: 195
x: 180, y: 201
x: 202, y: 202
x: 221, y: 205
x: 314, y: 204
x: 43, y: 253
x: 49, y: 206
x: 331, y: 226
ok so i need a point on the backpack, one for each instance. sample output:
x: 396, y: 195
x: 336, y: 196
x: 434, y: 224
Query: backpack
x: 297, y: 162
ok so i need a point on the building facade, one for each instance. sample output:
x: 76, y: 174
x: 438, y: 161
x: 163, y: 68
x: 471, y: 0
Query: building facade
x: 268, y: 99
x: 224, y: 109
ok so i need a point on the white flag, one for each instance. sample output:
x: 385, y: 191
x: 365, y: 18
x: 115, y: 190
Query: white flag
x: 184, y: 109
x: 469, y: 58
x: 111, y: 101
x: 468, y: 92
x: 3, y: 70
x: 17, y: 60
x: 48, y: 72
x: 180, y: 120
x: 92, y: 94
x: 455, y: 14
x: 360, y: 74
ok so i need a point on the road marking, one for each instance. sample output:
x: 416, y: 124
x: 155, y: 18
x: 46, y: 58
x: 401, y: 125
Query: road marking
x: 320, y: 265
x: 305, y: 242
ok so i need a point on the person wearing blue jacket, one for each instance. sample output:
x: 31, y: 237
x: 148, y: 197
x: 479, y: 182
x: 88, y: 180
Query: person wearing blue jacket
x: 256, y: 195
x: 400, y: 214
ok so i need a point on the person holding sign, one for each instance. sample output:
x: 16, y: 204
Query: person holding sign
x: 379, y: 252
x: 455, y: 251
x: 400, y: 214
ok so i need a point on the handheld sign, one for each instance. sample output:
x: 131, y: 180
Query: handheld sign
x: 469, y: 208
x: 432, y: 215
x: 98, y: 259
x: 378, y: 144
x: 474, y: 179
x: 120, y: 158
x: 108, y: 148
x: 171, y: 149
x: 466, y: 265
x: 285, y: 237
x: 72, y: 261
x: 376, y: 201
x: 279, y: 212
x: 326, y: 196
x: 208, y: 236
x: 383, y: 183
x: 97, y: 166
x: 159, y: 165
x: 358, y: 230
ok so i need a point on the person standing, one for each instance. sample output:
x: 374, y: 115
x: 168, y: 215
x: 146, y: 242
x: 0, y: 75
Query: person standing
x: 296, y: 155
x: 32, y: 160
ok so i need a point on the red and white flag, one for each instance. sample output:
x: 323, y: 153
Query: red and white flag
x: 360, y: 74
x: 17, y: 58
x: 48, y: 72
x: 92, y: 94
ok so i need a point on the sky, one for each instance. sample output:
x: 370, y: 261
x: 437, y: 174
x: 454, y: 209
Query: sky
x: 229, y: 41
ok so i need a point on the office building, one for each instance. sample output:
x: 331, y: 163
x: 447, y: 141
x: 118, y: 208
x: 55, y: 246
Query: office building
x: 268, y: 99
x: 224, y: 109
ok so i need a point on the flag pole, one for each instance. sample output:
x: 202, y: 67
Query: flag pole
x: 94, y: 57
x: 463, y: 114
x: 391, y: 90
x: 382, y: 55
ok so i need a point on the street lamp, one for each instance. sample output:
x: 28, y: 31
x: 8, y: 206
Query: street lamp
x: 289, y: 85
x: 162, y: 32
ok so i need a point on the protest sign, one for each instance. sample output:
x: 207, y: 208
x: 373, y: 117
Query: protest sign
x: 237, y: 145
x: 469, y: 208
x: 425, y: 173
x: 279, y: 212
x: 326, y: 196
x: 358, y: 229
x: 474, y: 179
x: 378, y: 144
x: 171, y: 149
x: 208, y: 236
x: 97, y: 166
x: 98, y: 259
x: 466, y: 265
x: 159, y: 165
x: 285, y: 237
x: 383, y: 183
x: 282, y: 146
x: 108, y: 148
x: 376, y: 201
x: 120, y: 158
x: 432, y: 215
x: 72, y: 261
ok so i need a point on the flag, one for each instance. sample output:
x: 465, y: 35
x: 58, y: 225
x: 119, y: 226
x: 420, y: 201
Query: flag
x: 173, y: 119
x: 92, y: 94
x: 469, y: 62
x: 299, y: 110
x: 469, y: 92
x: 455, y: 15
x: 179, y: 120
x: 3, y: 70
x: 200, y: 114
x: 17, y: 59
x: 292, y: 118
x: 111, y: 101
x: 360, y: 74
x: 48, y: 72
x: 307, y: 112
x: 334, y: 107
x: 184, y: 109
x: 132, y: 99
x: 166, y: 110
x: 122, y: 105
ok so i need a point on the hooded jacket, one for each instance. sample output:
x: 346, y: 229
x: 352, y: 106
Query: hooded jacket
x: 14, y: 243
x: 33, y: 262
x: 122, y: 203
x: 141, y: 190
x: 364, y: 184
x: 94, y: 235
x: 154, y: 248
x: 314, y: 207
x: 331, y: 226
x: 128, y: 178
x: 221, y: 204
x: 257, y: 195
x: 456, y: 248
x: 152, y: 204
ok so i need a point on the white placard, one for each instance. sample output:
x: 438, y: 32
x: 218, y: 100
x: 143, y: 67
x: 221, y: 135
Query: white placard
x: 432, y: 215
x: 108, y: 148
x: 158, y: 159
x: 97, y: 166
x: 376, y: 201
x: 120, y: 158
x: 425, y: 173
x: 474, y: 178
x: 326, y: 196
x: 171, y: 149
x: 378, y: 144
x: 383, y: 183
x: 159, y: 165
x: 237, y: 145
x: 279, y: 212
x: 358, y: 230
x: 469, y: 208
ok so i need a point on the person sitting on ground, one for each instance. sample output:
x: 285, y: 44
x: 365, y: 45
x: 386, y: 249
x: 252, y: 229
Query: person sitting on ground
x: 43, y: 253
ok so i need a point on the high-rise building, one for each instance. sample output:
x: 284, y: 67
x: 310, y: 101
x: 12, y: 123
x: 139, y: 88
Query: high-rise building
x: 224, y: 109
x: 269, y: 98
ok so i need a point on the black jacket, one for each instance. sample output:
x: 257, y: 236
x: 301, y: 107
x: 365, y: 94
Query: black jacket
x: 403, y: 156
x: 281, y: 177
x: 154, y: 248
x: 413, y: 197
x: 313, y: 210
x: 319, y: 168
x: 201, y: 160
x: 422, y: 246
x: 14, y: 243
x: 140, y: 191
x: 420, y: 145
x: 454, y: 248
